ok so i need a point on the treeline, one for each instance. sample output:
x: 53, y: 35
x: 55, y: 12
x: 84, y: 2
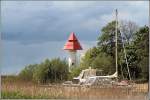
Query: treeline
x: 132, y: 41
x: 55, y: 70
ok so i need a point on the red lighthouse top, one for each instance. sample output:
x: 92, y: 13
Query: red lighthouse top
x: 72, y: 43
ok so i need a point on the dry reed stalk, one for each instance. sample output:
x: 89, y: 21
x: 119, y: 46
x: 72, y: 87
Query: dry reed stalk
x: 78, y: 92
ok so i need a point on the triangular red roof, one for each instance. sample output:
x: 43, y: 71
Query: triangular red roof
x: 72, y: 37
x: 72, y: 43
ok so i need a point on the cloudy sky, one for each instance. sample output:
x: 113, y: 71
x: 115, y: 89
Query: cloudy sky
x: 35, y: 30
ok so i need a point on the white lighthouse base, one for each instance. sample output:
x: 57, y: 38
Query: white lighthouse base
x: 72, y: 59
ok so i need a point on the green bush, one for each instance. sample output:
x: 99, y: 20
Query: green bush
x: 74, y: 72
x: 105, y: 63
x: 54, y: 70
x: 27, y: 72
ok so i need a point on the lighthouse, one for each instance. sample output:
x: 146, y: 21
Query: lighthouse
x: 72, y: 45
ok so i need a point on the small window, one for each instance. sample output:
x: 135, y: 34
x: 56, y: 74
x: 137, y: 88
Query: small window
x: 72, y: 64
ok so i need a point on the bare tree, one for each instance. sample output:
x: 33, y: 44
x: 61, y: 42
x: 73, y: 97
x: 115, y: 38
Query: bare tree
x: 128, y: 28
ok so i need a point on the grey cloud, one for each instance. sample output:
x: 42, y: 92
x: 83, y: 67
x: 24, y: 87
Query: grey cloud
x: 17, y: 55
x: 32, y: 22
x: 34, y: 31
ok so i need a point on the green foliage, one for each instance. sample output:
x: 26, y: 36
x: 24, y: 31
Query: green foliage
x: 13, y: 95
x: 106, y: 41
x: 51, y: 71
x: 101, y: 57
x: 10, y: 78
x: 54, y: 70
x: 137, y: 55
x: 142, y: 50
x: 137, y: 50
x: 41, y: 72
x: 60, y: 68
x: 132, y: 60
x: 104, y: 62
x: 97, y: 59
x: 20, y: 95
x: 27, y: 72
x: 75, y: 72
x: 89, y: 57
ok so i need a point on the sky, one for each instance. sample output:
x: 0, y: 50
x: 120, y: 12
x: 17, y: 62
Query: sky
x: 35, y: 30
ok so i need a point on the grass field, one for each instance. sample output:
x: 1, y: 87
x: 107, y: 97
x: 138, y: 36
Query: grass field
x: 29, y: 90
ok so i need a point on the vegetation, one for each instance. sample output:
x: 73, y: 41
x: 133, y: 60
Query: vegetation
x: 102, y: 56
x: 27, y: 72
x: 142, y: 50
x: 25, y: 90
x: 136, y: 44
x: 54, y: 70
x: 103, y: 62
x: 14, y: 95
x: 20, y: 95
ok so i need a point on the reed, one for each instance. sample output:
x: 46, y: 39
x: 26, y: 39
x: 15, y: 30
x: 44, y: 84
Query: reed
x: 32, y: 90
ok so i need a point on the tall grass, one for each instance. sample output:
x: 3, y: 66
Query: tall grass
x: 29, y: 90
x: 19, y: 95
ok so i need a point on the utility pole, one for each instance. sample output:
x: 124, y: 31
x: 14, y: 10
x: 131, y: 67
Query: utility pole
x: 149, y: 66
x: 116, y: 35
